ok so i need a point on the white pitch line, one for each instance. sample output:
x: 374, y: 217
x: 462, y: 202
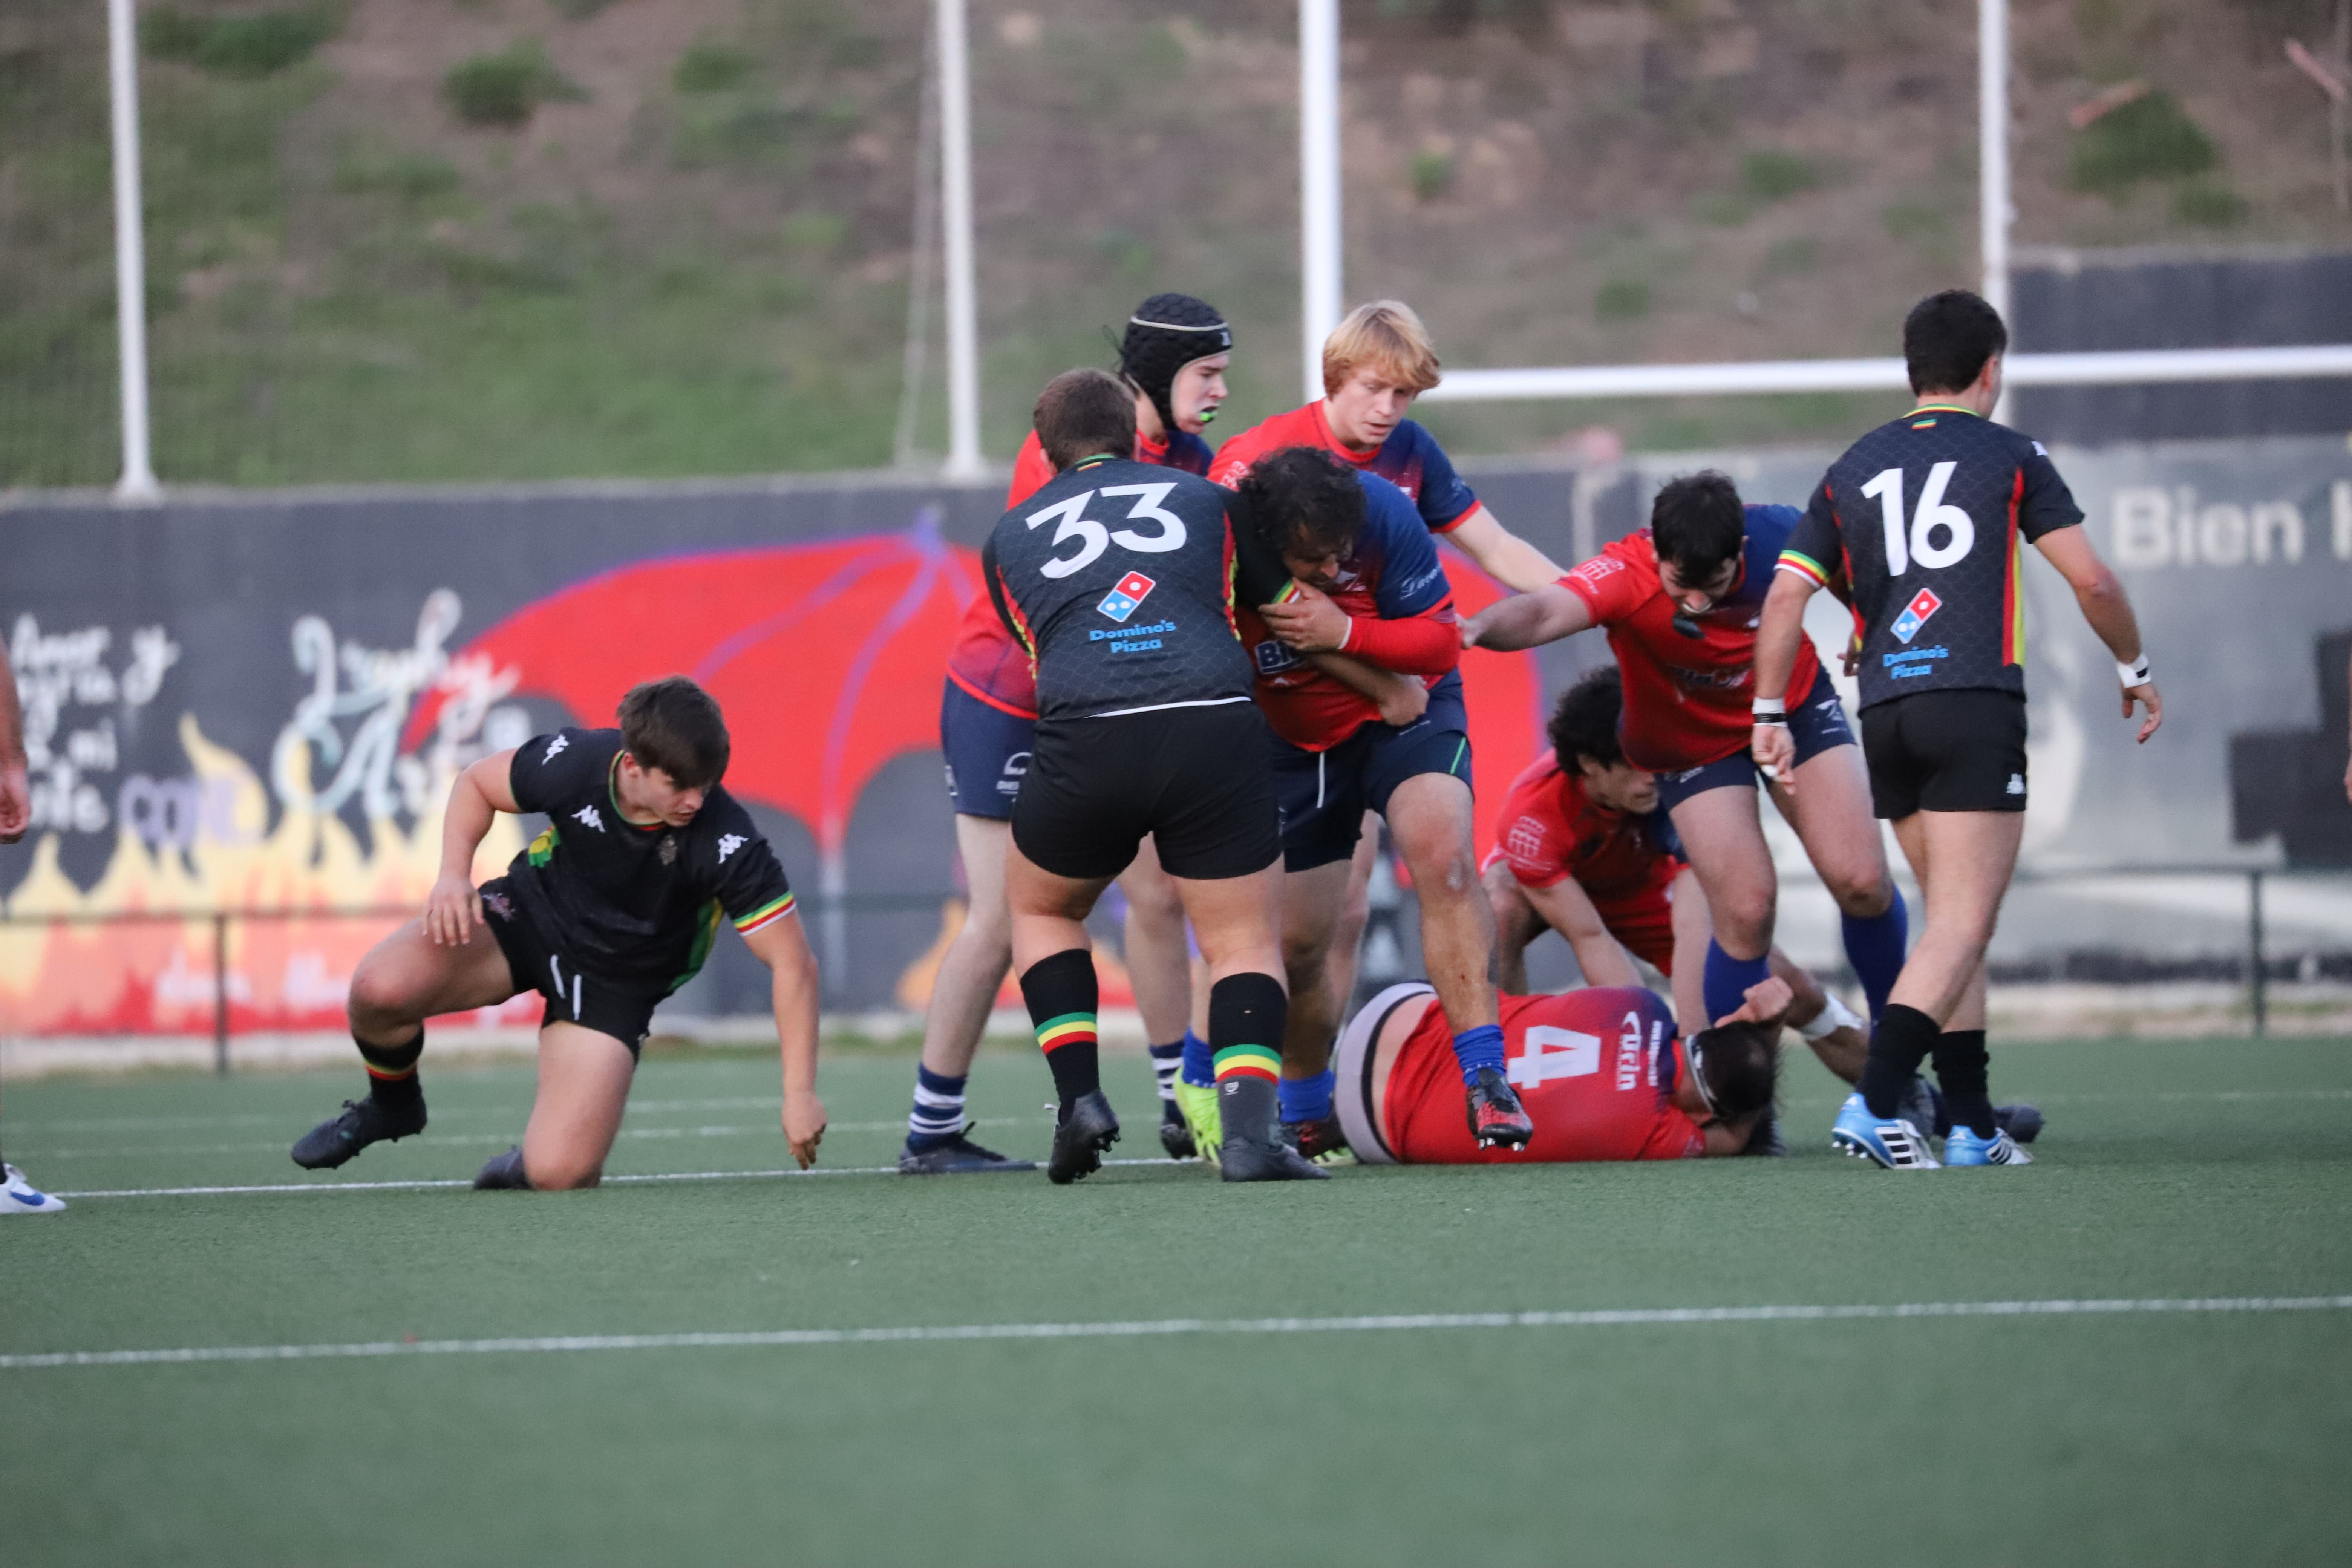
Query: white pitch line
x: 1635, y: 1317
x: 420, y: 1186
x: 478, y: 1139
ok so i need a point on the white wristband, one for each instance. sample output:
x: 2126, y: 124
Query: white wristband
x: 1769, y: 710
x: 2134, y: 673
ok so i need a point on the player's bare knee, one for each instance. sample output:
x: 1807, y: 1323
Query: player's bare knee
x: 561, y: 1173
x: 1864, y: 892
x: 378, y: 1001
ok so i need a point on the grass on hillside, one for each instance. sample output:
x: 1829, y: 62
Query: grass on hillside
x: 2174, y: 1169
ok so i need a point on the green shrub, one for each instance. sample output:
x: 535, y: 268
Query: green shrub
x: 855, y: 51
x: 2208, y: 203
x: 711, y: 68
x: 1432, y: 174
x: 259, y: 45
x: 503, y: 88
x: 411, y: 174
x: 1621, y: 300
x: 815, y: 230
x: 2150, y: 138
x: 1723, y: 209
x: 1771, y: 174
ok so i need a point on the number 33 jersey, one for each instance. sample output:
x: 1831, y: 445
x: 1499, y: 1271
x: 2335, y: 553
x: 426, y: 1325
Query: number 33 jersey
x: 1117, y: 576
x: 1926, y: 515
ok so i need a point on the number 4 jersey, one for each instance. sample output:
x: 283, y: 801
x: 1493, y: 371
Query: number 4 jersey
x: 1925, y: 517
x: 1118, y: 578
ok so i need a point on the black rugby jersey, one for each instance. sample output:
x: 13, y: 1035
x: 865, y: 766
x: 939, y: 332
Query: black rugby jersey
x: 628, y: 901
x: 1925, y: 516
x: 1118, y: 578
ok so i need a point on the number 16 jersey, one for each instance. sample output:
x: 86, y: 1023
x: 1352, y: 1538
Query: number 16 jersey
x: 1117, y: 576
x: 1926, y: 515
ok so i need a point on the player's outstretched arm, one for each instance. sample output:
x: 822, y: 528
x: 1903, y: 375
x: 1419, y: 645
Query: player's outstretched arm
x: 1568, y: 910
x: 1543, y: 615
x: 1502, y: 554
x: 476, y: 796
x: 782, y: 946
x: 1781, y: 628
x: 16, y: 794
x: 2109, y: 612
x: 1767, y: 1002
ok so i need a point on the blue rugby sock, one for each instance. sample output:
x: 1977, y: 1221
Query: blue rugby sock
x: 1874, y: 945
x: 938, y: 1116
x: 1478, y: 1047
x: 1726, y: 983
x: 1165, y: 1060
x: 1200, y: 1062
x: 1307, y: 1098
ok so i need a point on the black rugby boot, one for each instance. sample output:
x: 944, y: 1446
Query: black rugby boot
x: 1243, y: 1161
x: 1175, y: 1132
x: 503, y: 1174
x: 1497, y: 1120
x: 1325, y: 1142
x: 1079, y: 1139
x: 959, y: 1156
x: 362, y: 1122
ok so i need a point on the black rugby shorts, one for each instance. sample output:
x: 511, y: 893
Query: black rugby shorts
x: 623, y: 1008
x: 1945, y: 750
x: 1194, y: 778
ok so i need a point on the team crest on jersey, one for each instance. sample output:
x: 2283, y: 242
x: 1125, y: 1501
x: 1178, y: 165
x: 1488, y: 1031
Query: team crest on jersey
x: 1127, y: 596
x: 1915, y: 615
x: 1526, y: 838
x: 669, y: 849
x: 587, y: 817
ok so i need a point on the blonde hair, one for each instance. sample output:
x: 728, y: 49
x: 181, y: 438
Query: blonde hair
x: 1387, y: 336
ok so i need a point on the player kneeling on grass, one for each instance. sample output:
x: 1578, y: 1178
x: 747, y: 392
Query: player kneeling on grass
x: 1601, y: 1070
x: 609, y: 911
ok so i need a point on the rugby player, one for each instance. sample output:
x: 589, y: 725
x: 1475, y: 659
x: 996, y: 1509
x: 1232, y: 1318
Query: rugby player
x: 1602, y: 1068
x: 1680, y: 600
x: 1918, y: 524
x: 611, y: 908
x: 1145, y: 726
x: 1367, y: 582
x: 1173, y: 357
x: 17, y: 1195
x: 1583, y: 847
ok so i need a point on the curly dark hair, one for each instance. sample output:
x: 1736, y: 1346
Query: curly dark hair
x: 1698, y: 523
x: 1584, y: 724
x: 1739, y: 1068
x: 1302, y: 498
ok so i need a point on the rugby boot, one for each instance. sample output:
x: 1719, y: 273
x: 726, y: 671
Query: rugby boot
x: 18, y: 1196
x: 1206, y: 1118
x: 1894, y: 1144
x: 959, y: 1156
x: 1275, y: 1162
x: 1321, y: 1142
x: 1080, y: 1138
x: 1175, y: 1132
x: 2021, y: 1121
x: 362, y: 1122
x: 1497, y: 1120
x: 1966, y: 1146
x: 503, y: 1174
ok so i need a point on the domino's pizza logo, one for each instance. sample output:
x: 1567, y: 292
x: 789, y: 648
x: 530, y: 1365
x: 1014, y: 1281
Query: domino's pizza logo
x: 1125, y: 596
x: 1915, y: 616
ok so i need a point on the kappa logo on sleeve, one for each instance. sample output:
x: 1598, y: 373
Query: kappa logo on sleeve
x: 554, y: 746
x: 588, y: 816
x: 1127, y: 596
x: 1915, y: 616
x: 730, y: 842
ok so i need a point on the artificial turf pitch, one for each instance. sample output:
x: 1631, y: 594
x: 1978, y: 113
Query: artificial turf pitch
x: 2170, y: 1169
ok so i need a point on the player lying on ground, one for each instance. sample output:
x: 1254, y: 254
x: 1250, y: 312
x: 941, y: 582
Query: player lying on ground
x: 1119, y: 577
x: 17, y: 1195
x: 609, y: 911
x: 1602, y: 1068
x: 1173, y: 357
x: 1934, y: 585
x: 1680, y: 600
x: 1366, y: 581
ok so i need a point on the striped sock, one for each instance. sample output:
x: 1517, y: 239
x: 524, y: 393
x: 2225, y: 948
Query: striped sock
x: 1165, y: 1062
x: 1063, y: 996
x: 392, y: 1070
x: 1247, y: 1016
x: 938, y: 1116
x: 1200, y: 1062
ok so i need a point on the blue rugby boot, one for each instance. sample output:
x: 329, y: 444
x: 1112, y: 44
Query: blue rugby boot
x: 1966, y: 1147
x: 1894, y: 1144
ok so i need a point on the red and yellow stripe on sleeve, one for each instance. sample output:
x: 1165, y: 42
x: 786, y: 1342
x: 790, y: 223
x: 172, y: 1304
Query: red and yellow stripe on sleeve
x: 1804, y: 566
x: 765, y: 915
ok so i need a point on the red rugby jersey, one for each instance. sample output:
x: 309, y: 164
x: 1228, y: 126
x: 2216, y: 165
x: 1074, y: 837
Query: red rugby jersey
x: 1410, y: 459
x: 1550, y: 830
x: 1594, y: 1068
x: 1687, y: 698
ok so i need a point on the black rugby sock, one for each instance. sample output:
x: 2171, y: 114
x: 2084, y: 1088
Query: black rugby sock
x: 1248, y: 1015
x: 1063, y: 995
x: 392, y: 1070
x: 1962, y: 1065
x: 1898, y: 1046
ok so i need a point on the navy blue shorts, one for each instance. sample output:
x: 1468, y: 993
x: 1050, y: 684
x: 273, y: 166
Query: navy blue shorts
x: 1323, y: 794
x: 1816, y: 724
x: 988, y: 753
